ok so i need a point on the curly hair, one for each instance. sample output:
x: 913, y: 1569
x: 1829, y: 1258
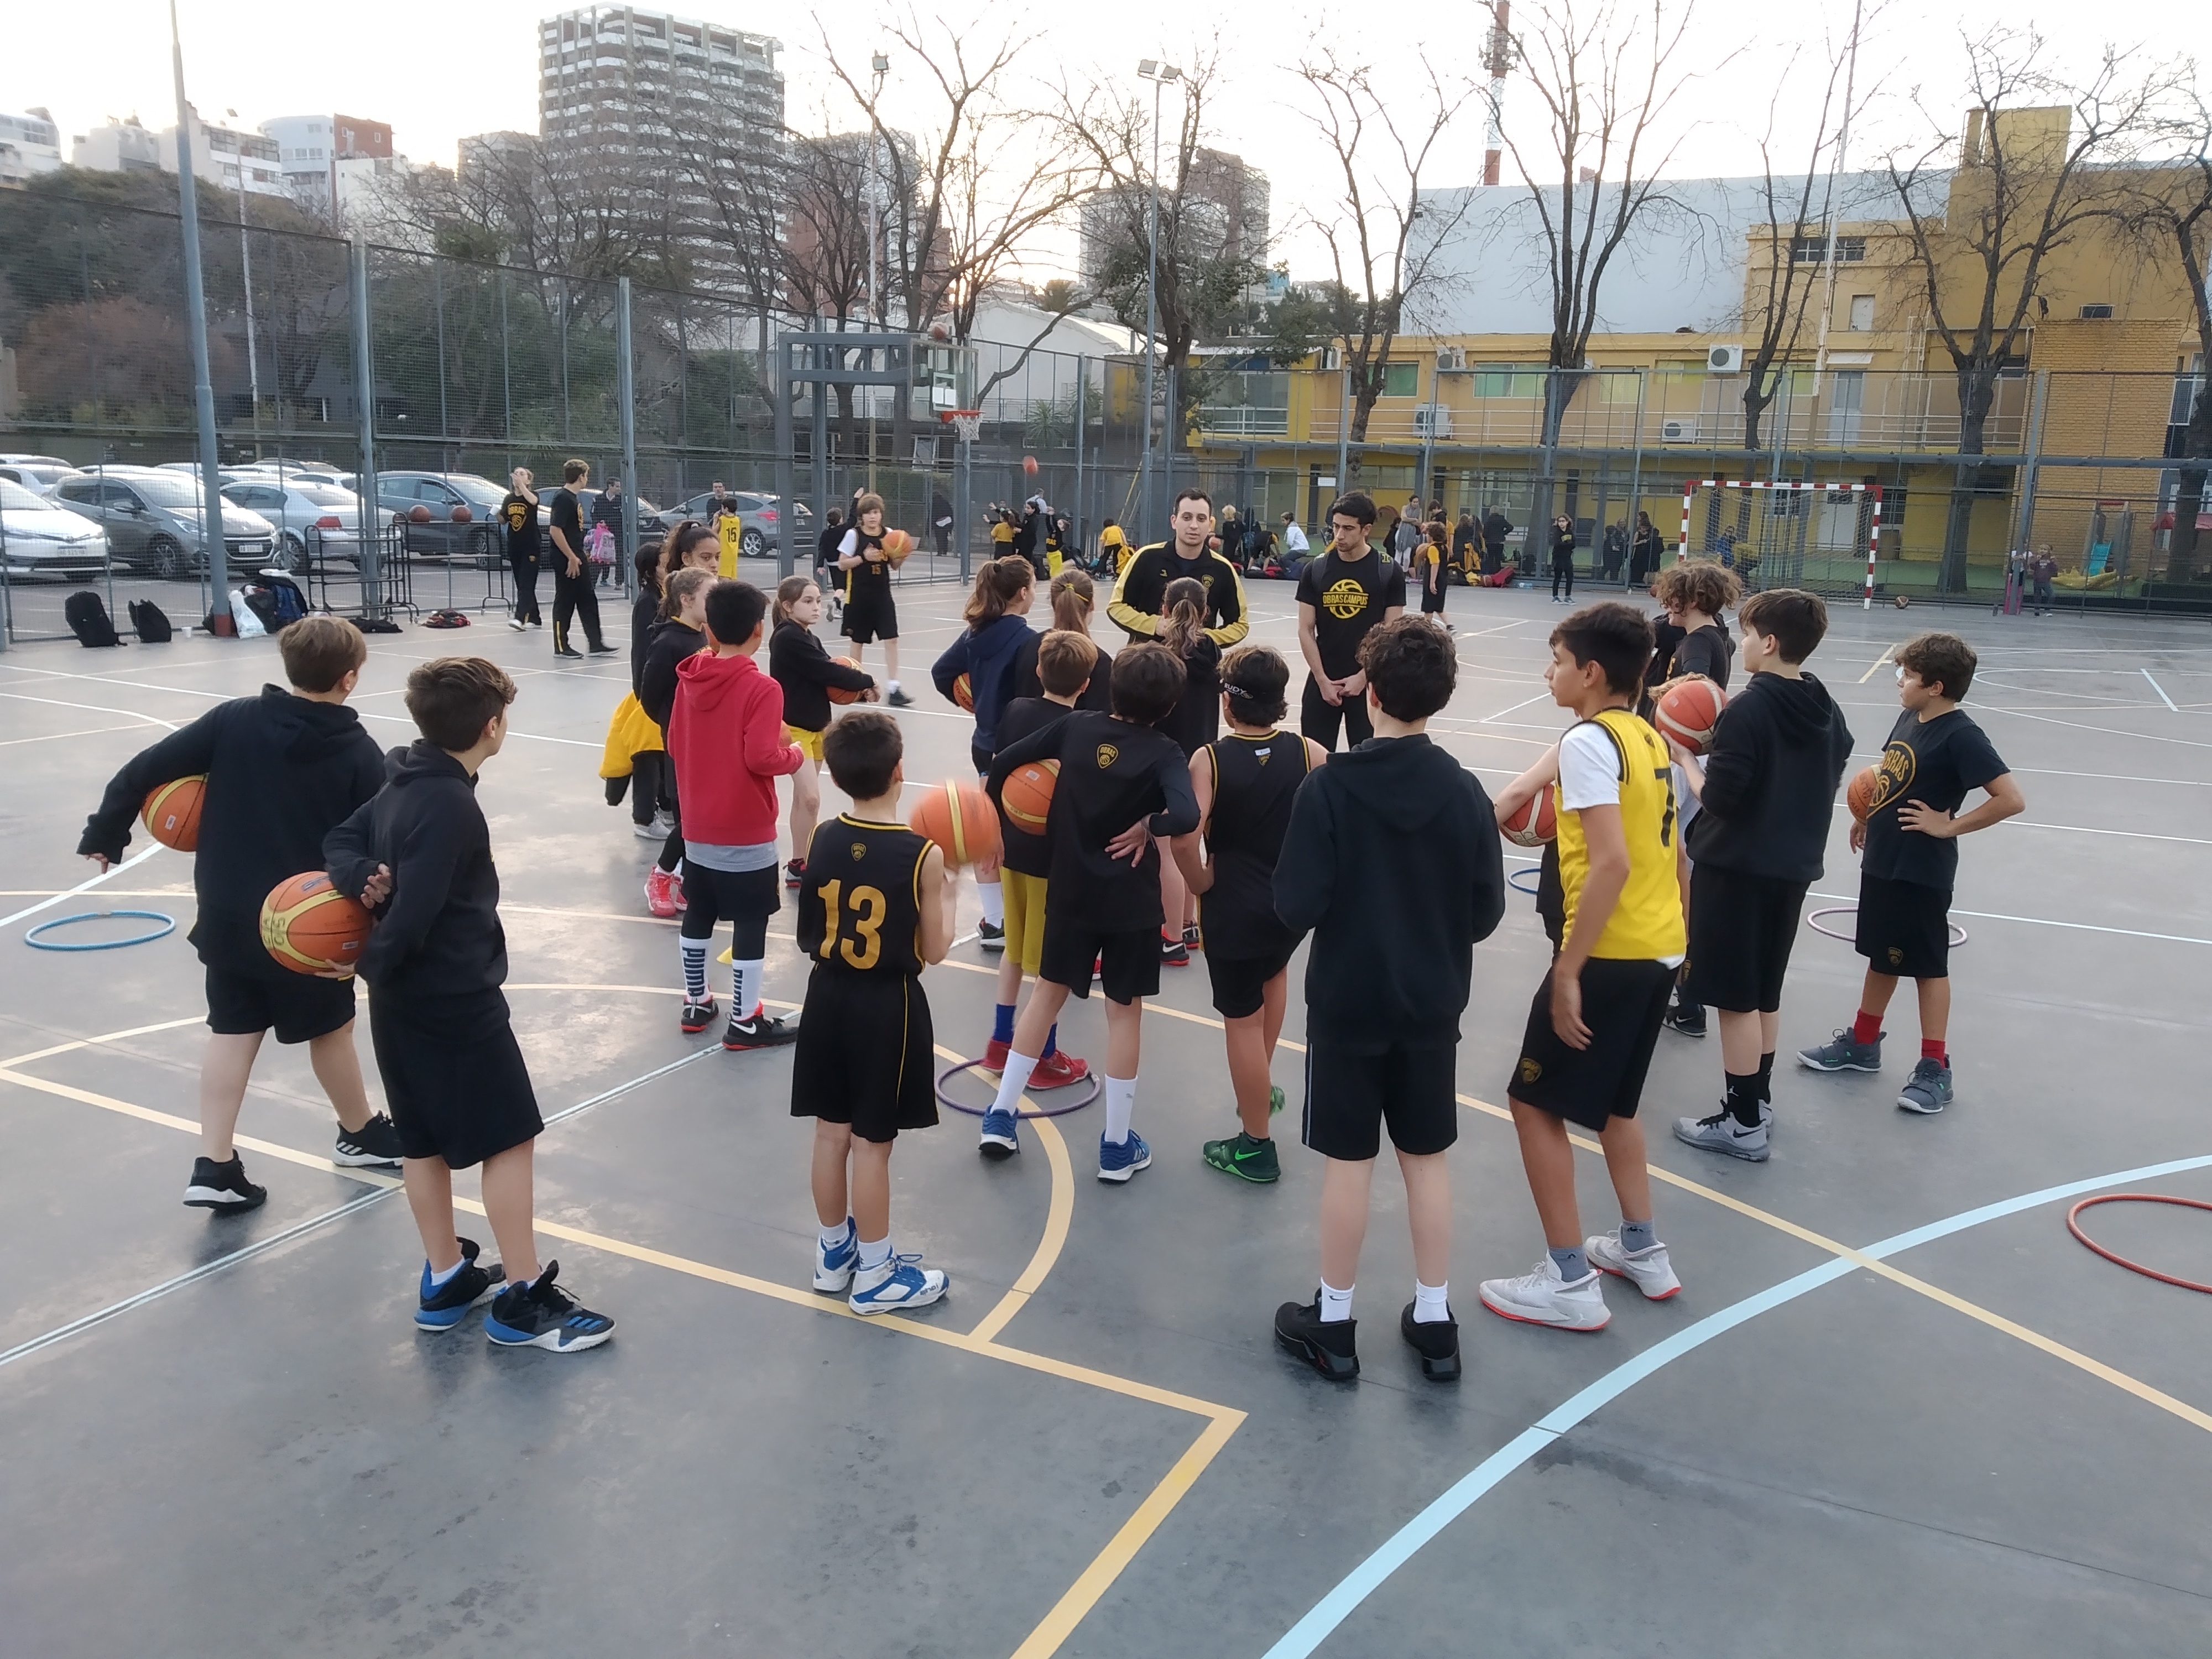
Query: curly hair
x: 1701, y: 584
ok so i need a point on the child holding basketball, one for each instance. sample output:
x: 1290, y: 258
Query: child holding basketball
x: 1192, y: 723
x: 871, y: 612
x: 1392, y: 860
x: 1122, y: 785
x: 726, y: 737
x: 1594, y: 1019
x: 281, y: 770
x: 997, y: 617
x: 419, y: 855
x: 1936, y: 757
x: 1244, y: 784
x: 1766, y: 791
x: 1691, y: 640
x: 797, y: 663
x: 874, y: 906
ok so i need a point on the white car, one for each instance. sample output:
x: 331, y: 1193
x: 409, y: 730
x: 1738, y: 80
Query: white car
x: 38, y: 538
x: 39, y: 476
x: 306, y: 517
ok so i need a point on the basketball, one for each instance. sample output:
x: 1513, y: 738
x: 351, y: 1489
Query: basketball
x: 963, y: 692
x: 418, y: 515
x: 172, y: 812
x: 1027, y: 796
x: 959, y: 818
x: 1535, y: 821
x: 1029, y: 465
x: 843, y: 694
x: 1902, y: 602
x: 898, y: 543
x: 1688, y: 711
x: 1865, y: 784
x: 311, y: 927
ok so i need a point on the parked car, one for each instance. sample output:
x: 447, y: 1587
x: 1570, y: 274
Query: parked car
x: 760, y: 520
x: 154, y: 520
x: 39, y: 478
x: 477, y: 538
x: 305, y: 515
x: 39, y: 538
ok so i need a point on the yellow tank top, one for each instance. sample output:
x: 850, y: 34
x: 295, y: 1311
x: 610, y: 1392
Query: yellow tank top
x: 1646, y: 925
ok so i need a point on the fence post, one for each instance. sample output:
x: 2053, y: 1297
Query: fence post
x: 364, y: 381
x: 2042, y: 395
x: 1344, y: 436
x: 626, y: 397
x: 211, y: 543
x: 1075, y: 522
x: 786, y: 506
x: 963, y: 498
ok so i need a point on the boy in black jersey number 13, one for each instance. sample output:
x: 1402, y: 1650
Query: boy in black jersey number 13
x: 1343, y: 595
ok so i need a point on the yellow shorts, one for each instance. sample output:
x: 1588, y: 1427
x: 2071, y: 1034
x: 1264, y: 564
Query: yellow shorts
x: 810, y: 743
x: 1024, y: 900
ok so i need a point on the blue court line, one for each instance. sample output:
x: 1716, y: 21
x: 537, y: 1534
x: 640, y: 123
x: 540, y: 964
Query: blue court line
x: 1334, y: 1608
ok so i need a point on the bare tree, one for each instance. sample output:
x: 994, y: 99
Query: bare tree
x: 2027, y: 184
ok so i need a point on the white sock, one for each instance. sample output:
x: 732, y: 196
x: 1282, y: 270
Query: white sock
x: 1335, y: 1304
x: 439, y: 1281
x: 1121, y: 1107
x: 747, y: 981
x: 994, y: 903
x: 693, y: 954
x: 890, y: 685
x: 1429, y: 1305
x: 1012, y: 1081
x: 832, y: 1237
x: 875, y: 1254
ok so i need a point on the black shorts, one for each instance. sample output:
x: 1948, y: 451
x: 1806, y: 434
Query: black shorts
x: 744, y: 898
x: 453, y: 1076
x: 866, y: 1055
x: 1129, y: 961
x: 1904, y: 927
x: 1240, y: 984
x: 1742, y: 929
x: 1622, y: 1001
x: 1350, y: 1096
x: 869, y: 617
x: 298, y: 1007
x: 1318, y: 719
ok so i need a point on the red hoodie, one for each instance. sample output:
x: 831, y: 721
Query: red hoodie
x: 726, y: 737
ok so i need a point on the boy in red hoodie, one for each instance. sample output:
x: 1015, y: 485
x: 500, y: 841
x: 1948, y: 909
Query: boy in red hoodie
x: 726, y: 739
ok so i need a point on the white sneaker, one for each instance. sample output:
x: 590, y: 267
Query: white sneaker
x: 1648, y: 1269
x: 1722, y: 1134
x: 901, y: 1282
x: 516, y: 624
x: 1543, y: 1297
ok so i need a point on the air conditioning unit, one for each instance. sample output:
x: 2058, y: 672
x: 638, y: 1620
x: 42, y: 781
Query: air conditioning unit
x: 1452, y: 357
x: 1332, y: 358
x: 1724, y: 360
x: 1678, y: 432
x: 1431, y: 421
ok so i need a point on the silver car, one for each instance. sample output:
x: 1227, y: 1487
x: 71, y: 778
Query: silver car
x: 306, y: 517
x: 154, y: 520
x: 760, y: 520
x: 38, y: 538
x: 40, y: 477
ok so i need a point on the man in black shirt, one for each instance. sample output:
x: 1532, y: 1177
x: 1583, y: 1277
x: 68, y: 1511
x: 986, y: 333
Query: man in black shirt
x: 1343, y: 596
x: 1143, y: 583
x: 1496, y: 527
x: 607, y: 514
x: 572, y: 578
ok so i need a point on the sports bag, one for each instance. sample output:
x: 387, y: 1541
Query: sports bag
x: 86, y: 613
x: 151, y: 622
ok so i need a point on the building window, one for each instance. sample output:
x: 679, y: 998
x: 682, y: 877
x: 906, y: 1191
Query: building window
x: 2095, y: 312
x: 1862, y: 313
x: 1812, y: 250
x: 1401, y: 379
x: 1509, y: 379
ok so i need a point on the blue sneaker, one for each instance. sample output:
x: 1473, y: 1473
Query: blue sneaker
x: 834, y: 1264
x: 541, y: 1314
x: 1120, y: 1163
x: 439, y: 1308
x: 999, y: 1137
x: 900, y: 1282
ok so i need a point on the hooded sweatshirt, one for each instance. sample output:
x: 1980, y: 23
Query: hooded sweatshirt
x: 281, y: 770
x: 798, y: 662
x: 1393, y: 861
x: 726, y: 736
x: 439, y: 935
x: 1777, y: 755
x: 987, y: 656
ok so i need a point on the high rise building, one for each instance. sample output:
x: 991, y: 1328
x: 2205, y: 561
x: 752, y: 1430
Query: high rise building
x: 1225, y: 215
x: 330, y: 161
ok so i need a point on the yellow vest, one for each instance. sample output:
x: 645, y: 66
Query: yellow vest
x: 1646, y: 925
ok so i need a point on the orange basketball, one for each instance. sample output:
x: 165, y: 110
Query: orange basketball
x: 1688, y: 711
x: 1029, y: 465
x: 311, y: 927
x: 1865, y: 787
x: 963, y: 692
x: 898, y: 543
x: 172, y: 812
x: 1027, y: 795
x: 840, y: 693
x: 959, y: 818
x: 1535, y: 821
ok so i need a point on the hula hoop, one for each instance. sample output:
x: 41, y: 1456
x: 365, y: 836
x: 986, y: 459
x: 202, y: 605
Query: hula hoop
x: 2075, y: 1228
x: 1513, y: 881
x: 168, y: 926
x: 1958, y: 932
x: 977, y: 1111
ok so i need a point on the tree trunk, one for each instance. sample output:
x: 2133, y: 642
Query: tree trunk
x: 2188, y: 501
x: 1560, y: 388
x: 1977, y: 389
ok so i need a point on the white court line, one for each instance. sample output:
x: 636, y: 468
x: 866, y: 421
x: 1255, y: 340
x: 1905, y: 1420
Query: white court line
x: 89, y: 708
x: 83, y: 886
x: 2103, y: 731
x: 1490, y: 719
x: 2160, y: 690
x: 82, y: 732
x: 2083, y: 829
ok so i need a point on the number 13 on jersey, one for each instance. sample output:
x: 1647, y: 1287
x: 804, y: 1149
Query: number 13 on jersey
x: 862, y: 911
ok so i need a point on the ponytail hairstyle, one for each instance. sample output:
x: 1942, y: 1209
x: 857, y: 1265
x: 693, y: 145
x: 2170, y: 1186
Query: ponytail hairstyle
x: 1073, y: 599
x: 998, y: 585
x: 681, y: 586
x: 1182, y: 611
x: 788, y: 592
x: 1254, y: 679
x: 648, y: 565
x: 681, y: 540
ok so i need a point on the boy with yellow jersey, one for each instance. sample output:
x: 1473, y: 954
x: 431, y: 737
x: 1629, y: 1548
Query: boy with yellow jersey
x: 1596, y: 1017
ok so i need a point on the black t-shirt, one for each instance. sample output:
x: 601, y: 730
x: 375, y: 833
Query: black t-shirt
x: 871, y: 579
x: 1706, y: 651
x: 1938, y: 762
x: 1348, y: 598
x: 1254, y: 781
x: 859, y: 906
x: 1665, y: 635
x: 1197, y: 714
x: 567, y: 514
x: 825, y: 544
x: 1027, y: 855
x: 520, y: 515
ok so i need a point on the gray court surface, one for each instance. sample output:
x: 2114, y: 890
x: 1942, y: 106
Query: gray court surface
x: 1976, y: 1439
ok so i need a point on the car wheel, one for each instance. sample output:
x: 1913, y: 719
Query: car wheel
x: 291, y: 553
x: 480, y: 546
x: 165, y: 557
x: 753, y: 543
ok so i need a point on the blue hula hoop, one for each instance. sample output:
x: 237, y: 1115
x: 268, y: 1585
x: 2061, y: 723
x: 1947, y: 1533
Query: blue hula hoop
x: 949, y: 1071
x: 168, y: 926
x: 1513, y: 881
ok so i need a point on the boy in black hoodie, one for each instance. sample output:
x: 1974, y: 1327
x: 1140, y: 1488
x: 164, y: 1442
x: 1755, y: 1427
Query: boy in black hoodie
x: 1392, y: 860
x: 281, y: 769
x: 419, y: 855
x: 1766, y: 792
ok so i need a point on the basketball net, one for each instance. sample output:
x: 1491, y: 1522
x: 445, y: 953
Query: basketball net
x: 967, y: 424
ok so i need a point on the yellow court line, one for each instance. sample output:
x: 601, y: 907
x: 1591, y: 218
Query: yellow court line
x: 106, y: 1037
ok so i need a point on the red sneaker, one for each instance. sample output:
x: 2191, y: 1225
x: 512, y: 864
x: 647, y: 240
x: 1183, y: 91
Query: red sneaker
x: 675, y: 892
x: 659, y: 893
x: 1058, y: 1069
x: 995, y: 1057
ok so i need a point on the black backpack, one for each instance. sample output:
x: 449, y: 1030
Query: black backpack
x: 151, y: 621
x: 87, y: 616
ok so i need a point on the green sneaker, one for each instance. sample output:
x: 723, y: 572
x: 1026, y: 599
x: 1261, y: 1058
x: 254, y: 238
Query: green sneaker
x: 1274, y: 1099
x: 1244, y: 1157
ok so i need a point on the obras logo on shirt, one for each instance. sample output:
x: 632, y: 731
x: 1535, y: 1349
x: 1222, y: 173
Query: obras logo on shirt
x: 1344, y: 598
x: 1895, y: 774
x: 1107, y: 754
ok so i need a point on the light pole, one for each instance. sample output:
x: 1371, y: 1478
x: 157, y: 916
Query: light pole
x: 880, y: 66
x: 188, y: 215
x: 1159, y: 75
x: 246, y: 271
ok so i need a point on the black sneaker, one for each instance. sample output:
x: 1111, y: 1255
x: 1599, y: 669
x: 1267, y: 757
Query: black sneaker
x: 1685, y: 1020
x: 990, y: 938
x: 541, y: 1314
x: 697, y: 1016
x: 1174, y: 953
x: 567, y: 650
x: 441, y: 1309
x: 1436, y: 1342
x: 899, y: 700
x: 762, y: 1031
x: 1331, y: 1349
x: 375, y: 1142
x: 604, y: 650
x: 1190, y: 940
x: 795, y: 873
x: 223, y: 1187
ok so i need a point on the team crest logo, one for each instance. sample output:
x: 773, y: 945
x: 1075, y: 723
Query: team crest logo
x: 1107, y: 754
x: 1345, y: 600
x: 1530, y: 1070
x: 1895, y: 774
x: 1260, y: 755
x: 1896, y: 957
x: 859, y: 851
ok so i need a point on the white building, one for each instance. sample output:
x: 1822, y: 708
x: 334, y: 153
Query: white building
x: 30, y: 143
x: 119, y: 147
x: 226, y: 158
x: 335, y: 166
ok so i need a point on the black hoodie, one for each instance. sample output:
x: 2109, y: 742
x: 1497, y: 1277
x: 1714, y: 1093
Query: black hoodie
x: 800, y: 663
x: 439, y: 935
x: 672, y: 642
x: 1778, y: 756
x: 281, y: 771
x: 1393, y: 859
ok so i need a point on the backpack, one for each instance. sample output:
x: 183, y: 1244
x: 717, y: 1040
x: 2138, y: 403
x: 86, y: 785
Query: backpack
x: 290, y: 604
x: 151, y: 621
x: 87, y: 616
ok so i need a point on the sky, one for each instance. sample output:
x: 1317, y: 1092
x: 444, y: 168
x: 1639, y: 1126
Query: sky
x: 436, y: 70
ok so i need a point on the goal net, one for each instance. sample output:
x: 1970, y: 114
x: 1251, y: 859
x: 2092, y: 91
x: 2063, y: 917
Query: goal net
x: 1785, y: 533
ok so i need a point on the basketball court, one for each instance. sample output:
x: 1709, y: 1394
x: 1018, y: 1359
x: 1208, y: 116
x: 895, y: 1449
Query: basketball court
x: 1896, y: 1409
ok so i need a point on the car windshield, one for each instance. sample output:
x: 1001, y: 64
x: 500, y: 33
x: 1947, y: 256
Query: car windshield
x: 172, y: 490
x: 14, y: 498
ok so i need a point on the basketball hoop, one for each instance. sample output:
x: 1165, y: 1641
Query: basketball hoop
x: 967, y: 424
